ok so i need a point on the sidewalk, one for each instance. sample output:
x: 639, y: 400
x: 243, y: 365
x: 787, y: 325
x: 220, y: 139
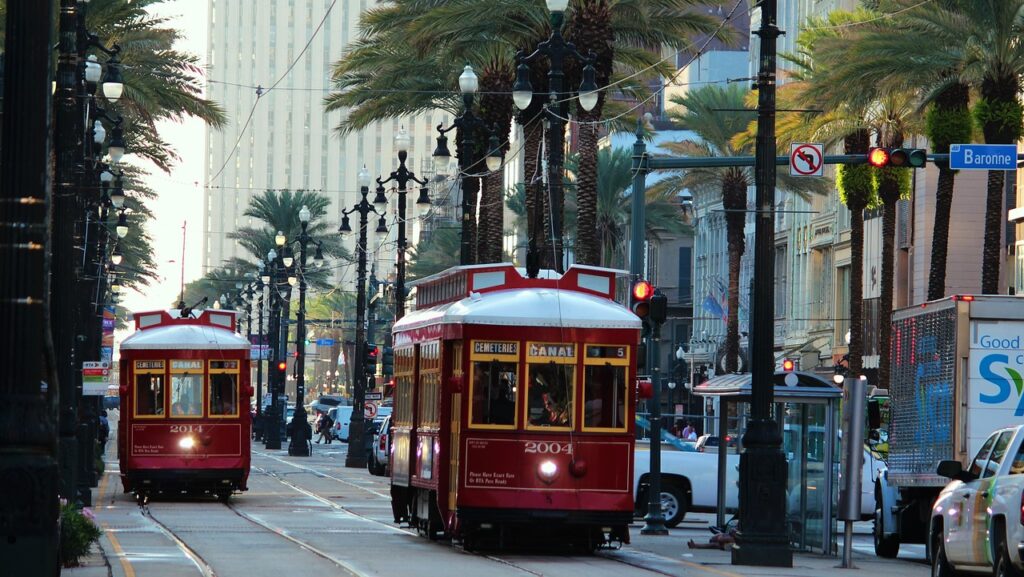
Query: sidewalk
x: 671, y: 555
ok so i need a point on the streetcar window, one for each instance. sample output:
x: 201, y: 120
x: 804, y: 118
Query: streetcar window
x: 604, y: 396
x: 550, y: 394
x: 223, y: 393
x: 149, y: 394
x: 186, y: 395
x: 494, y: 393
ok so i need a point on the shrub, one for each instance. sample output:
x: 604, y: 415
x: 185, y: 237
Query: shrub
x: 78, y: 531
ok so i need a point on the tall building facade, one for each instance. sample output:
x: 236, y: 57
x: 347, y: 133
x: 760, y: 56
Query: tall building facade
x: 270, y: 67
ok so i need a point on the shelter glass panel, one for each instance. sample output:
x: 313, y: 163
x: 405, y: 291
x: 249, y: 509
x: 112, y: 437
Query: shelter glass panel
x: 186, y: 388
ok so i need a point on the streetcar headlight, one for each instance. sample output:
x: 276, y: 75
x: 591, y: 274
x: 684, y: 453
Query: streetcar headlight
x: 547, y: 471
x: 187, y: 442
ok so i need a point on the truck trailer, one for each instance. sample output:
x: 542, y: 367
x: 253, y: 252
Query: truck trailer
x: 956, y: 375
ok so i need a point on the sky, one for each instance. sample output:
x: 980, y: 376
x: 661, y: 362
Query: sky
x: 179, y: 194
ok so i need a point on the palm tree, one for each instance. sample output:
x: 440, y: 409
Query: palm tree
x: 706, y: 112
x: 617, y: 31
x: 443, y: 35
x: 435, y: 253
x: 886, y: 52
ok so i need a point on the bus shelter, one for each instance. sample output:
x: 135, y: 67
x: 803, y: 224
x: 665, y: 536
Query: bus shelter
x: 806, y: 410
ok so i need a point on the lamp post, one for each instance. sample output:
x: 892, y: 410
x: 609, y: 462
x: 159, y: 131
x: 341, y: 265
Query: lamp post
x: 763, y: 470
x: 272, y: 420
x: 469, y: 159
x: 299, y: 445
x: 262, y: 280
x: 556, y: 49
x: 27, y: 427
x: 402, y: 176
x: 356, y: 457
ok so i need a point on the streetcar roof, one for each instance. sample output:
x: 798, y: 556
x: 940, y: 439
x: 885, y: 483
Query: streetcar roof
x: 534, y: 307
x: 208, y: 330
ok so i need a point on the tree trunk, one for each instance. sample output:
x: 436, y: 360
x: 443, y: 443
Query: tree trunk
x: 588, y: 251
x: 856, y: 347
x: 533, y: 136
x: 885, y: 300
x: 492, y: 214
x: 940, y: 234
x: 470, y: 189
x: 734, y: 201
x: 992, y: 253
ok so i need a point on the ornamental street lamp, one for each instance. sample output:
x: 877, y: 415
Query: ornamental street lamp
x: 469, y: 159
x: 556, y: 110
x: 402, y: 176
x: 356, y: 457
x: 301, y: 432
x: 272, y: 420
x: 262, y: 279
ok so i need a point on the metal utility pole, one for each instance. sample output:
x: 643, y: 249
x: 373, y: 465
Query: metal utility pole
x: 29, y: 532
x: 260, y: 337
x: 762, y: 492
x: 272, y: 419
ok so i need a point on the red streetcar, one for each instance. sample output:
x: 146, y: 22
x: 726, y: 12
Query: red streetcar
x: 514, y: 405
x: 185, y: 393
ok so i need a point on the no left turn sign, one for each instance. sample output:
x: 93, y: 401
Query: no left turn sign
x: 369, y: 410
x: 806, y: 159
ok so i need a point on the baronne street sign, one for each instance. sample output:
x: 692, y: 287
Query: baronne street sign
x: 983, y: 156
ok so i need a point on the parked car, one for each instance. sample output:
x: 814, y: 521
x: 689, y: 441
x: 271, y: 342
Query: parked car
x: 342, y: 417
x: 976, y: 520
x: 379, y: 452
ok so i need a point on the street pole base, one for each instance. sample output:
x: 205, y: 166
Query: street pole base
x: 654, y: 524
x: 299, y: 447
x: 273, y: 445
x: 759, y: 551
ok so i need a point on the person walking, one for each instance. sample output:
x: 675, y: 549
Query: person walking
x: 326, y: 429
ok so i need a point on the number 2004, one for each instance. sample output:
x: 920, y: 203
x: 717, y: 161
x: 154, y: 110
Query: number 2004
x: 544, y: 447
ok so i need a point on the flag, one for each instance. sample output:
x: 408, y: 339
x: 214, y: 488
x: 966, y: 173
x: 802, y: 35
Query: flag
x: 712, y: 306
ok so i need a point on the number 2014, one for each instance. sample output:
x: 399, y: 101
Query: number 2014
x: 544, y: 447
x: 186, y: 428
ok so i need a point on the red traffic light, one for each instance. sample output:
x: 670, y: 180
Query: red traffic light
x: 788, y: 365
x: 372, y: 351
x: 642, y: 290
x: 878, y: 157
x: 282, y: 366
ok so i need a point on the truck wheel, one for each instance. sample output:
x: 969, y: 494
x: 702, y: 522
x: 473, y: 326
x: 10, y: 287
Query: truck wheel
x: 887, y: 547
x: 674, y: 504
x: 1003, y: 564
x: 940, y: 565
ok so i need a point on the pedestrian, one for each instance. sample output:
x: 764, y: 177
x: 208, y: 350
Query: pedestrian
x: 688, y: 432
x: 326, y: 429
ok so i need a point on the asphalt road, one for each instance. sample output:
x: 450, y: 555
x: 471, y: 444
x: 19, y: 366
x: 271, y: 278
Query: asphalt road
x: 312, y: 516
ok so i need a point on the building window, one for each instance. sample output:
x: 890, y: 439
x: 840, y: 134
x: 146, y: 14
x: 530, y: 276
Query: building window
x: 842, y: 309
x: 685, y: 274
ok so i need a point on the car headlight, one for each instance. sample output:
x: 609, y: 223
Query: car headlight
x: 547, y: 471
x: 186, y: 442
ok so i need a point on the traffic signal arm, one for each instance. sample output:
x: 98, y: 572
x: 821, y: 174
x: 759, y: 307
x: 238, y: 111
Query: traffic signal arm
x: 668, y: 163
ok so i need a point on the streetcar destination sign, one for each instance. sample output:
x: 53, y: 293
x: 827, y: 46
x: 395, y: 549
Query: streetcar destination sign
x: 983, y: 156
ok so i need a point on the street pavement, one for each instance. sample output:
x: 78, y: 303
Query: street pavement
x: 312, y: 516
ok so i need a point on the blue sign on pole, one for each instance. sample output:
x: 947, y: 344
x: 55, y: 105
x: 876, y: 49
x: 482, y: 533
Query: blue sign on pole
x: 983, y: 156
x: 325, y: 342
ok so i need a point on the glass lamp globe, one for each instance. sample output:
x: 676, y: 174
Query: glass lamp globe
x: 304, y: 214
x: 402, y: 140
x: 279, y: 238
x: 364, y: 177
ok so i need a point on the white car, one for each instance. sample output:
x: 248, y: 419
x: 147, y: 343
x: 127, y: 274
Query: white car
x: 976, y: 522
x: 342, y: 417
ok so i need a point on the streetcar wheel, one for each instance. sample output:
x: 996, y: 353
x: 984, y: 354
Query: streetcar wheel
x: 674, y: 504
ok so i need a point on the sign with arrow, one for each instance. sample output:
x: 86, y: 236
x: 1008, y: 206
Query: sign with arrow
x: 806, y: 159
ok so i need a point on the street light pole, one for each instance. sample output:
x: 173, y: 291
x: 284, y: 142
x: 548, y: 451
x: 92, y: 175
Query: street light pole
x: 356, y: 456
x: 467, y: 124
x: 301, y: 432
x: 261, y: 283
x: 556, y: 49
x: 272, y: 420
x: 402, y: 176
x: 762, y: 539
x: 27, y: 387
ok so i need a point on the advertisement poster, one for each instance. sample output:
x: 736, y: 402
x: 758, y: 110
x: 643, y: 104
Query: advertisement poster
x: 107, y: 345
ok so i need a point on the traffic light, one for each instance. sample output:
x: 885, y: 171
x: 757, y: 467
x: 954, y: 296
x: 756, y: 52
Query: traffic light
x: 788, y: 365
x: 658, y: 308
x: 388, y: 361
x: 641, y: 299
x: 897, y: 157
x: 370, y: 364
x: 282, y: 367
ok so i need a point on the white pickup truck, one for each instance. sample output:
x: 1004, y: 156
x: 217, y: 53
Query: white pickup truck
x: 977, y: 521
x: 689, y: 482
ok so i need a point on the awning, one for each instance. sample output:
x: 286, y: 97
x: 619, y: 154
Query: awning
x: 737, y: 387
